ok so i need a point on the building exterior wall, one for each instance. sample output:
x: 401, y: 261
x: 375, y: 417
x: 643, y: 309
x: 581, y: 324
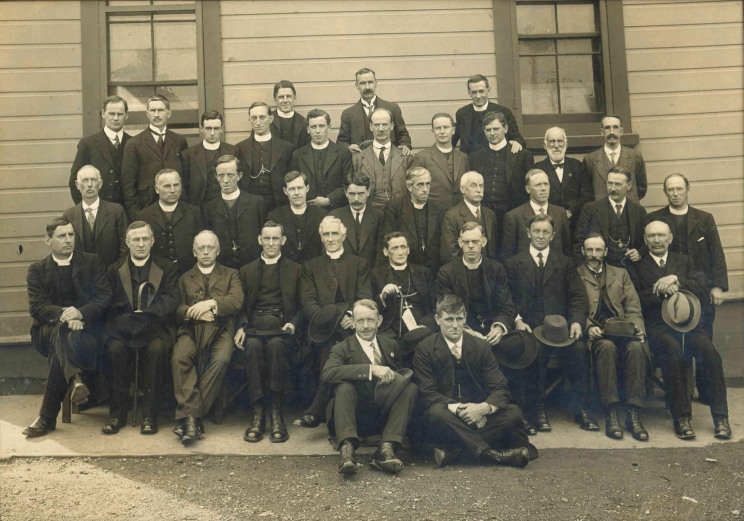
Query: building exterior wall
x: 40, y: 124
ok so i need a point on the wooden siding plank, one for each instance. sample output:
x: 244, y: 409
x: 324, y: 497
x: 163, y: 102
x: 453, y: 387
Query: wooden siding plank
x: 732, y: 236
x: 29, y: 152
x: 13, y: 274
x: 687, y: 80
x: 33, y: 248
x: 687, y: 126
x: 35, y: 176
x: 698, y: 169
x: 235, y: 7
x: 705, y: 192
x: 669, y: 103
x: 689, y: 58
x: 683, y: 36
x: 41, y: 104
x: 55, y: 200
x: 681, y: 14
x: 48, y: 127
x: 39, y: 56
x: 39, y: 32
x: 690, y: 148
x: 40, y: 10
x: 25, y: 225
x: 37, y: 80
x: 13, y: 299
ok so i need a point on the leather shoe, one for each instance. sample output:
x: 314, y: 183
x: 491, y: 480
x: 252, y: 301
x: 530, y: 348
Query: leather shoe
x: 279, y: 432
x: 510, y: 457
x: 384, y: 459
x: 586, y: 421
x: 528, y: 427
x: 634, y: 425
x: 114, y: 424
x: 80, y: 391
x: 348, y: 464
x: 179, y: 427
x: 190, y: 431
x: 255, y: 432
x: 541, y: 419
x: 722, y: 428
x: 149, y: 425
x: 309, y: 420
x: 683, y: 428
x: 612, y: 423
x: 41, y: 427
x: 445, y: 456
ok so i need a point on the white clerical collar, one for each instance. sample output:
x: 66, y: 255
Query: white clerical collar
x: 301, y: 211
x: 271, y: 261
x: 444, y: 150
x: 262, y: 139
x: 336, y: 254
x: 285, y: 115
x: 471, y: 266
x: 210, y: 146
x: 609, y: 151
x: 471, y: 206
x: 534, y: 251
x: 320, y: 147
x: 536, y: 207
x: 453, y: 346
x: 139, y: 262
x: 481, y: 109
x: 501, y: 144
x: 371, y: 102
x: 232, y: 196
x: 206, y: 271
x: 621, y: 203
x: 674, y: 211
x: 156, y: 130
x: 380, y: 145
x: 168, y: 207
x: 399, y: 268
x: 63, y: 262
x: 113, y: 135
x: 659, y: 259
x: 93, y: 206
x: 418, y: 206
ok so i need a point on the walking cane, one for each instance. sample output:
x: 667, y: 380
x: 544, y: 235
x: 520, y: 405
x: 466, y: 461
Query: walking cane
x: 136, y: 354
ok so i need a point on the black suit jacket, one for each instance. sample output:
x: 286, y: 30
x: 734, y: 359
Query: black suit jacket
x: 434, y: 372
x: 289, y: 281
x: 251, y: 216
x: 368, y: 246
x: 576, y: 189
x: 452, y: 279
x: 195, y: 171
x: 463, y: 130
x: 398, y: 216
x: 354, y: 129
x: 299, y: 137
x: 421, y: 280
x: 186, y: 223
x: 445, y: 189
x: 92, y: 299
x: 453, y: 220
x: 563, y: 291
x: 595, y: 218
x: 96, y: 150
x: 330, y: 182
x: 300, y: 249
x: 515, y: 238
x: 318, y: 286
x: 517, y: 165
x: 142, y: 160
x: 109, y: 231
x: 703, y: 244
x: 281, y: 155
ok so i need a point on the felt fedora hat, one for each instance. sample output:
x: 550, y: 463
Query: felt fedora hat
x: 386, y: 394
x: 516, y: 350
x: 619, y: 327
x: 681, y: 311
x: 136, y: 330
x: 266, y: 325
x: 325, y: 321
x: 554, y: 331
x: 81, y: 346
x: 408, y: 342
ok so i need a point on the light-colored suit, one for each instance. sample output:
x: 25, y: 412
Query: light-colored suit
x: 368, y: 163
x: 599, y: 165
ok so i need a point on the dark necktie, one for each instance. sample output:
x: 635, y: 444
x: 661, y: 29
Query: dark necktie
x: 382, y: 156
x: 90, y: 217
x: 358, y: 226
x: 540, y: 263
x: 662, y: 263
x: 160, y: 139
x: 376, y: 354
x: 619, y: 210
x: 558, y: 165
x: 116, y: 142
x: 478, y: 214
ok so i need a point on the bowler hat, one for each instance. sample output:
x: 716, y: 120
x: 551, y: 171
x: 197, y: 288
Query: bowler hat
x: 516, y: 350
x: 681, y: 311
x: 266, y: 325
x: 81, y: 347
x: 325, y: 321
x: 136, y: 330
x: 554, y: 331
x: 386, y: 394
x: 408, y: 342
x: 619, y: 327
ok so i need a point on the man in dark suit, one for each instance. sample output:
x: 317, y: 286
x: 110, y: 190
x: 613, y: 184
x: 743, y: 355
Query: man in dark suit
x: 515, y: 238
x: 288, y: 125
x: 570, y: 182
x: 544, y: 282
x: 270, y: 331
x: 417, y: 218
x: 145, y: 289
x: 236, y: 217
x: 104, y: 150
x: 660, y: 274
x: 174, y: 222
x: 695, y: 235
x: 355, y: 367
x: 355, y: 131
x: 211, y: 295
x: 67, y: 295
x: 362, y: 221
x: 469, y: 210
x: 324, y: 162
x: 335, y: 277
x: 465, y: 396
x: 502, y: 169
x: 617, y: 218
x: 469, y: 130
x: 613, y: 154
x: 100, y: 226
x: 146, y: 154
x: 445, y: 163
x: 199, y: 182
x: 264, y: 158
x: 299, y: 220
x: 481, y: 283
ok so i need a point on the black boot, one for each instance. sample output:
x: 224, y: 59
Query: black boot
x: 612, y: 423
x: 255, y: 432
x: 279, y: 432
x: 634, y: 425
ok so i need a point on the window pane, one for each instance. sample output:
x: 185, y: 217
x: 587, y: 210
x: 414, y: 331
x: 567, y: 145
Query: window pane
x: 573, y: 46
x: 182, y: 97
x: 539, y: 91
x: 577, y: 81
x: 536, y: 47
x: 535, y: 19
x: 130, y: 52
x: 577, y: 18
x: 175, y: 51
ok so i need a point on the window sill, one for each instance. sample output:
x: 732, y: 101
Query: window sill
x: 580, y: 143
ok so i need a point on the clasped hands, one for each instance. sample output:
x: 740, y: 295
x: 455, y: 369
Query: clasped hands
x: 239, y: 337
x: 73, y: 318
x: 666, y: 286
x: 204, y: 310
x: 474, y: 414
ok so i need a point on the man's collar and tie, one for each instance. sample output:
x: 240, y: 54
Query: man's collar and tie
x: 206, y: 271
x: 336, y: 254
x: 91, y: 211
x: 612, y: 155
x: 371, y: 349
x: 498, y: 146
x: 232, y: 196
x: 210, y: 146
x: 270, y: 261
x: 139, y: 262
x: 159, y: 135
x: 358, y: 214
x: 382, y: 151
x: 63, y: 262
x: 475, y: 210
x: 558, y: 167
x: 618, y: 207
x: 539, y: 256
x: 114, y: 137
x: 539, y: 209
x: 598, y: 272
x: 369, y: 107
x: 455, y: 348
x: 660, y: 261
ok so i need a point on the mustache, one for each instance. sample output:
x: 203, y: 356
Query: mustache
x: 367, y: 91
x: 612, y: 136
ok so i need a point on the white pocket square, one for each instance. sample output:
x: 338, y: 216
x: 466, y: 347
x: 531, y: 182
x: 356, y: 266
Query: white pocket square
x: 701, y: 239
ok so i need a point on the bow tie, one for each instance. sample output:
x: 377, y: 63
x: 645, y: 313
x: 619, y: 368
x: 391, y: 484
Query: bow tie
x: 558, y: 165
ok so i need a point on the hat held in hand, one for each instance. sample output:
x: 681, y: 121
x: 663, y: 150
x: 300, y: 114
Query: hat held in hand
x: 554, y: 331
x: 681, y: 311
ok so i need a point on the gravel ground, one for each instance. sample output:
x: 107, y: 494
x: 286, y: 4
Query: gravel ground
x: 661, y: 484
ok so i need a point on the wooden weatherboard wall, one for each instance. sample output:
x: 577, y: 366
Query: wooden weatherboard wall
x: 422, y: 52
x: 40, y: 124
x: 685, y: 73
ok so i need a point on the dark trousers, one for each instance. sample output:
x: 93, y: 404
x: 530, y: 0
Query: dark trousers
x: 267, y: 366
x: 351, y: 415
x: 196, y: 388
x: 502, y: 430
x: 632, y: 359
x: 153, y: 359
x: 674, y: 361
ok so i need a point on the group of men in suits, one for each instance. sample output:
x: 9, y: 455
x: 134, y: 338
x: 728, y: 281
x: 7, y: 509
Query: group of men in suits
x: 295, y: 248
